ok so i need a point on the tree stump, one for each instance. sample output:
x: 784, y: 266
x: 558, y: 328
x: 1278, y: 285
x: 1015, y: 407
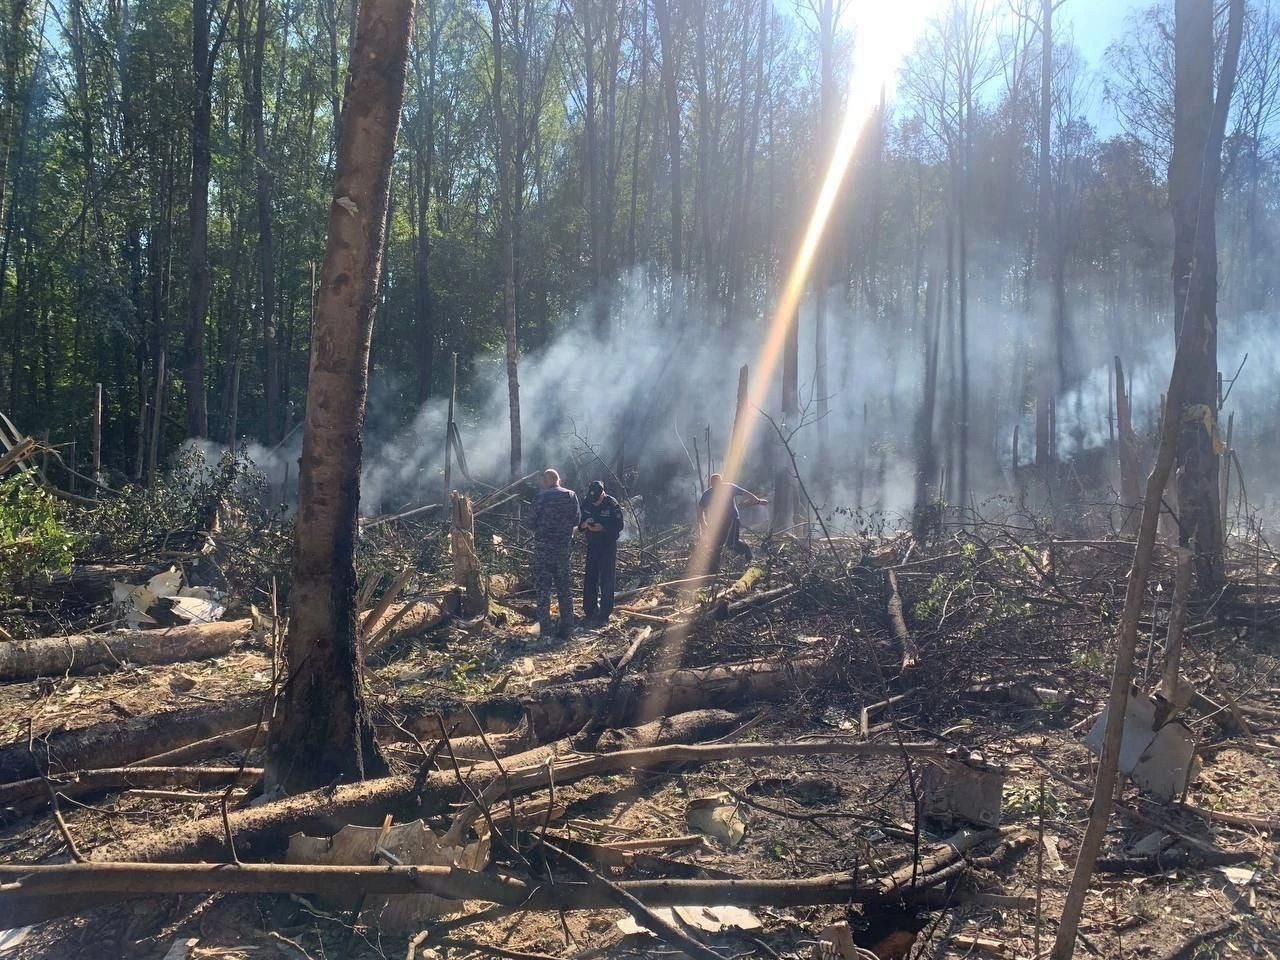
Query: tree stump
x: 466, y: 563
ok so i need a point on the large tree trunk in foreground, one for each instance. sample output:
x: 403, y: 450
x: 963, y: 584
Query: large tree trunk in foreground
x: 323, y: 732
x: 53, y: 656
x: 1194, y: 174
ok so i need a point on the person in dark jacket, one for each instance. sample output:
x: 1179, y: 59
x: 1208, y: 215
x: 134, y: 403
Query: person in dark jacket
x: 554, y: 516
x: 719, y: 520
x: 601, y: 524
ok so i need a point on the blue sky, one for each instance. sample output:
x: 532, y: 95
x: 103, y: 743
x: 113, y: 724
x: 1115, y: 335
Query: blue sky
x: 1095, y: 23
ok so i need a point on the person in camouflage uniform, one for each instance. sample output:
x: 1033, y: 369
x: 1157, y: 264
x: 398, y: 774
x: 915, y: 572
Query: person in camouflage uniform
x: 554, y: 517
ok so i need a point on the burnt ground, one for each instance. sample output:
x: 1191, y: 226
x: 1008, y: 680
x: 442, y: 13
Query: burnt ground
x: 1015, y: 633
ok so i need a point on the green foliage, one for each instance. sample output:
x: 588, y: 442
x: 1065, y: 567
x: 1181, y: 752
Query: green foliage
x: 34, y: 539
x: 1026, y: 801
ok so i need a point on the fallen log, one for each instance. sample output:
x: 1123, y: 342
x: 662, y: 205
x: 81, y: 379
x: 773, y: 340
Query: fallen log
x: 33, y: 893
x: 124, y: 741
x: 557, y: 712
x: 402, y: 621
x: 78, y: 653
x: 262, y: 832
x: 234, y: 740
x: 89, y: 584
x: 25, y: 793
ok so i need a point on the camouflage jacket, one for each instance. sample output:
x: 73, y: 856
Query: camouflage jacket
x: 554, y: 517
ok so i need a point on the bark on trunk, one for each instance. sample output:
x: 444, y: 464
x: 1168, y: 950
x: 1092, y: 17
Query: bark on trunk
x: 1046, y: 369
x: 556, y: 712
x: 322, y: 731
x: 671, y: 96
x: 266, y: 242
x: 200, y: 282
x: 506, y: 238
x: 79, y: 653
x: 1194, y: 176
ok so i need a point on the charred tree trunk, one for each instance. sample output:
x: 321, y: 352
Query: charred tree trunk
x: 323, y: 731
x: 1194, y: 175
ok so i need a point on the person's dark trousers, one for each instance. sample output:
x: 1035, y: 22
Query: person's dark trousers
x: 734, y: 541
x: 598, y: 580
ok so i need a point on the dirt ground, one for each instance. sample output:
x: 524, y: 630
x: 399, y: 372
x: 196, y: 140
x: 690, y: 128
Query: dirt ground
x: 1015, y: 650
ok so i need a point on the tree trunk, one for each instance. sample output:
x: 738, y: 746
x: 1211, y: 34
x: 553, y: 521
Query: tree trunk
x: 671, y: 95
x: 202, y: 62
x: 322, y: 731
x: 1194, y: 176
x: 266, y: 246
x: 1046, y: 378
x: 784, y: 488
x: 506, y: 237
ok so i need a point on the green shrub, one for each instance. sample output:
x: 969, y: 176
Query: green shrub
x: 33, y: 537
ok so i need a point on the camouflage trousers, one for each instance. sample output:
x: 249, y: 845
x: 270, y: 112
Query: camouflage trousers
x: 551, y: 571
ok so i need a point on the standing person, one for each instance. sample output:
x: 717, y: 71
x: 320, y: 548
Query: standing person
x: 719, y: 520
x: 601, y: 523
x: 554, y: 516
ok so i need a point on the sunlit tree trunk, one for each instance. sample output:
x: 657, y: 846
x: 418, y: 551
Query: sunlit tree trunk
x: 323, y: 731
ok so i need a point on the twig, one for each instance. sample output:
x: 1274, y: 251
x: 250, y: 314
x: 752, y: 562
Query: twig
x: 491, y: 949
x: 1195, y: 941
x: 643, y: 915
x: 69, y: 840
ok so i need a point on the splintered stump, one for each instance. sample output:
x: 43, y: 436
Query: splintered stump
x: 466, y: 564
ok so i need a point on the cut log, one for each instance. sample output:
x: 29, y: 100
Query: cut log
x: 403, y: 621
x: 54, y: 656
x: 90, y: 584
x: 124, y: 741
x: 557, y: 712
x: 696, y: 726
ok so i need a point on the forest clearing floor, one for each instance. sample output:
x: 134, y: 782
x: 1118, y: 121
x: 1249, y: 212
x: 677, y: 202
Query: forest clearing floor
x: 1008, y: 645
